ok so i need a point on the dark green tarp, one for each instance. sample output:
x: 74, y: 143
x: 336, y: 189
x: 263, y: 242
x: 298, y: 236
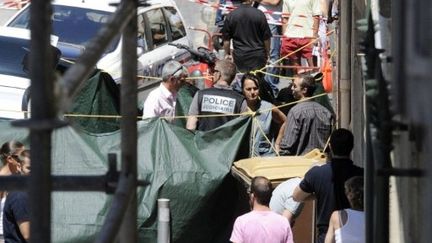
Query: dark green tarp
x: 99, y: 95
x: 187, y: 168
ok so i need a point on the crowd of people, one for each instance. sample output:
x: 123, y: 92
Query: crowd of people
x: 337, y: 187
x: 257, y: 38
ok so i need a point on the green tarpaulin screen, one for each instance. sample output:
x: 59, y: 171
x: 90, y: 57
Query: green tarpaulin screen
x: 187, y: 168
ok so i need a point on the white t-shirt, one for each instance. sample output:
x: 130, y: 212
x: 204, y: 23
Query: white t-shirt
x: 301, y: 12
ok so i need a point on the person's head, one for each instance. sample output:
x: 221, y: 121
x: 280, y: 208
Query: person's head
x: 354, y: 192
x: 260, y: 191
x: 341, y: 142
x: 250, y: 87
x: 173, y: 75
x: 224, y: 70
x: 303, y: 86
x: 9, y: 154
x: 24, y: 162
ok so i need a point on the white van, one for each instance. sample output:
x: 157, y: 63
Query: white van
x: 75, y: 22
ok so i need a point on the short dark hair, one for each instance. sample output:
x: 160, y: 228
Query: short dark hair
x: 252, y: 77
x: 309, y: 83
x: 341, y: 141
x: 10, y: 148
x: 262, y: 188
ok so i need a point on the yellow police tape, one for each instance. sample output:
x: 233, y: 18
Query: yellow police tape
x: 247, y: 113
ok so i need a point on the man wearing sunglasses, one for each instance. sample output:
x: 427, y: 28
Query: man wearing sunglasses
x: 161, y: 101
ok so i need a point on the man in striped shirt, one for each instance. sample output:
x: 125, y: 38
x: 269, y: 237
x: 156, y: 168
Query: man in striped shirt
x: 309, y: 124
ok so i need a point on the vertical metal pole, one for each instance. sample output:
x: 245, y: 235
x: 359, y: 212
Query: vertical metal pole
x: 163, y: 235
x: 128, y: 125
x: 43, y: 110
x: 344, y: 100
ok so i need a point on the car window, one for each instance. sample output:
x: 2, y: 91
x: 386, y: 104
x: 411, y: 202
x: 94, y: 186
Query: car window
x: 158, y: 27
x: 142, y: 39
x: 176, y: 24
x: 75, y: 26
x: 13, y: 52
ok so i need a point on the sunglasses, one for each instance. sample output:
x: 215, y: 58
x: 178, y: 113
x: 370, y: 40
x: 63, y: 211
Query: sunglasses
x: 178, y: 69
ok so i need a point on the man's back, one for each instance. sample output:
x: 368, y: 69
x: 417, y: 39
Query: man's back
x: 261, y: 227
x: 15, y: 212
x: 212, y: 101
x: 329, y: 189
x: 309, y: 125
x: 248, y: 29
x: 245, y: 25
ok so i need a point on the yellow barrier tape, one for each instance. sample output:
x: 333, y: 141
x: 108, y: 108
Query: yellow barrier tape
x: 275, y: 75
x: 247, y: 113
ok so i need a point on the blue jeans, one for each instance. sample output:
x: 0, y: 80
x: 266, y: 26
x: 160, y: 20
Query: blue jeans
x: 274, y: 56
x: 219, y: 16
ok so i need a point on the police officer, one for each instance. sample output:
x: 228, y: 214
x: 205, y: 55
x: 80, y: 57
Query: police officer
x: 220, y: 99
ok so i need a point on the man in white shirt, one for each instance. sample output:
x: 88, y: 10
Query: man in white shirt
x: 162, y: 100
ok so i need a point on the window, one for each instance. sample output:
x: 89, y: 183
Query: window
x: 75, y: 26
x: 142, y: 41
x: 13, y: 52
x: 158, y: 27
x: 176, y: 25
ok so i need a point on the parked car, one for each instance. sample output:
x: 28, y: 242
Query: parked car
x: 75, y: 22
x: 14, y: 81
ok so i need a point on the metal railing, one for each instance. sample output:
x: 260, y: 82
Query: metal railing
x: 122, y: 215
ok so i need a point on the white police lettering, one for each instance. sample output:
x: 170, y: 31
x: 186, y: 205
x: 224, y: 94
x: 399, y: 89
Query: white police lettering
x: 217, y: 104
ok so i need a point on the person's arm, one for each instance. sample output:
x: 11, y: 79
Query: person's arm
x: 316, y: 13
x: 24, y: 227
x: 285, y: 16
x: 192, y: 121
x: 280, y: 136
x: 287, y: 214
x: 330, y: 236
x: 267, y: 48
x: 227, y: 49
x: 227, y: 36
x: 279, y: 118
x: 316, y: 20
x: 300, y: 196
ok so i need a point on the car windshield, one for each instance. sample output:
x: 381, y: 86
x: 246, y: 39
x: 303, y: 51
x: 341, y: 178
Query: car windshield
x: 13, y: 52
x: 75, y: 26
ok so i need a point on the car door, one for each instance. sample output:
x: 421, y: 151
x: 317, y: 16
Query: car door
x: 158, y: 33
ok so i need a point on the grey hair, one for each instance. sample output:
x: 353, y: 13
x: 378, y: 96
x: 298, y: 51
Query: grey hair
x: 227, y: 70
x: 172, y: 69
